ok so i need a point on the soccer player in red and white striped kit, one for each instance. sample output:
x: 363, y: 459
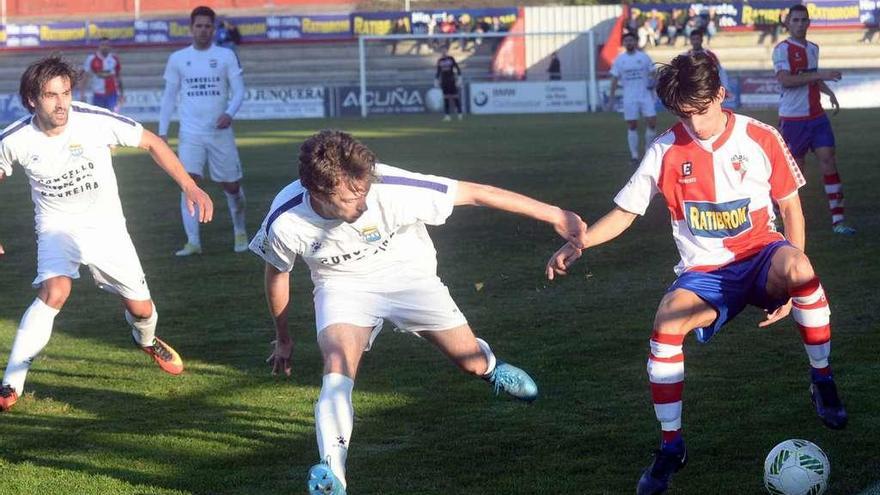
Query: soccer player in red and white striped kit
x: 720, y: 175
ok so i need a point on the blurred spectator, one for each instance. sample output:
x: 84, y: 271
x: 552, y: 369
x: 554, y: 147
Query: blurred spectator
x: 448, y: 26
x: 872, y: 26
x: 658, y: 25
x: 227, y: 35
x: 711, y: 24
x: 771, y: 30
x: 555, y: 68
x: 646, y: 35
x: 400, y: 27
x: 105, y: 77
x: 677, y: 22
x: 632, y: 24
x: 692, y: 21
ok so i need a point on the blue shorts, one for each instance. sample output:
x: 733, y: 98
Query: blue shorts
x: 107, y: 101
x: 802, y: 136
x: 730, y: 288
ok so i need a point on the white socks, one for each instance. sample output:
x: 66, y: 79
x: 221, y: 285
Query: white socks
x: 490, y: 356
x: 334, y: 420
x: 190, y: 222
x: 650, y: 134
x: 632, y: 138
x: 32, y: 336
x: 236, y: 204
x: 143, y: 331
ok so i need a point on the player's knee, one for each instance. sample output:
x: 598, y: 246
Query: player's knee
x: 141, y: 310
x: 799, y: 270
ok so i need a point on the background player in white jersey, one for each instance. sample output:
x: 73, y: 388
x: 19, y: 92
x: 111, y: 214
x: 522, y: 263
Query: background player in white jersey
x: 204, y: 75
x: 633, y: 70
x: 64, y: 149
x: 360, y: 227
x: 719, y: 175
x: 803, y: 122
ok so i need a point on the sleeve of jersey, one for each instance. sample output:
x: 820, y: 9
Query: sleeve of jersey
x: 785, y: 175
x: 5, y: 160
x: 272, y: 249
x: 642, y: 186
x: 614, y: 70
x: 780, y: 59
x: 122, y: 131
x: 418, y: 197
x: 236, y: 84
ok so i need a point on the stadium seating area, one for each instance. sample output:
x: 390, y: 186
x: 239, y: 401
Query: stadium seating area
x: 336, y: 63
x: 752, y: 50
x: 332, y: 63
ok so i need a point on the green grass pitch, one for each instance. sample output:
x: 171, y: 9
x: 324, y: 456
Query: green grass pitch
x: 99, y: 418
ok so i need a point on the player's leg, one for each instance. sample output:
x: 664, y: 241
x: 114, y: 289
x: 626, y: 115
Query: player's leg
x: 193, y: 155
x: 650, y: 113
x: 473, y: 355
x: 224, y: 165
x: 142, y: 316
x: 632, y: 136
x: 792, y: 275
x: 342, y: 346
x: 680, y: 311
x: 458, y: 104
x: 32, y: 336
x: 823, y: 144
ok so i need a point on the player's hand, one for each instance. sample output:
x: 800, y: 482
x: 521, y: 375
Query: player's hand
x: 196, y: 197
x: 832, y: 75
x: 2, y: 251
x: 562, y: 260
x: 834, y: 104
x: 570, y: 226
x: 780, y: 313
x: 279, y: 360
x: 224, y: 121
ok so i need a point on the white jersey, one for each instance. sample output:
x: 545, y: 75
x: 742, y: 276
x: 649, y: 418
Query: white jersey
x: 71, y: 174
x: 383, y: 249
x: 719, y: 195
x: 635, y: 74
x: 203, y: 79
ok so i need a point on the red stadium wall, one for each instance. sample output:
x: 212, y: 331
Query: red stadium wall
x: 59, y: 8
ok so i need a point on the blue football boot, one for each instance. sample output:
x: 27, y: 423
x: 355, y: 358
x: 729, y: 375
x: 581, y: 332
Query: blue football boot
x: 322, y: 481
x: 667, y: 461
x: 829, y: 408
x: 516, y: 382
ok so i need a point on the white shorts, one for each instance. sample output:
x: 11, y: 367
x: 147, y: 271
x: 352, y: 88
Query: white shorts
x: 644, y: 106
x: 217, y: 149
x: 108, y: 252
x: 426, y: 306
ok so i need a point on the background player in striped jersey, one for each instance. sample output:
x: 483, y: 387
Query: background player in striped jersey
x: 64, y: 150
x: 803, y: 122
x: 209, y: 82
x: 719, y: 175
x: 360, y: 227
x: 105, y: 71
x: 633, y: 70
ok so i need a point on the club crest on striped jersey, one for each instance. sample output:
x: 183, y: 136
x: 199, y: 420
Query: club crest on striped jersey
x: 371, y: 234
x: 718, y: 220
x: 740, y: 164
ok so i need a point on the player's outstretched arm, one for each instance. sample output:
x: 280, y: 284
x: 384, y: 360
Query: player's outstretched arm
x: 606, y: 228
x: 168, y: 161
x: 278, y: 297
x: 789, y: 80
x: 793, y: 219
x: 567, y: 224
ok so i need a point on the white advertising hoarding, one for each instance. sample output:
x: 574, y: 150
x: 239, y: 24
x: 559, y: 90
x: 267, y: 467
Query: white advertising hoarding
x: 528, y: 97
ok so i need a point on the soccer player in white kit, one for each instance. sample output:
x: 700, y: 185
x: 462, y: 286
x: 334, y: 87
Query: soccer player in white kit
x: 719, y: 175
x: 633, y: 70
x: 360, y: 227
x: 64, y: 150
x: 204, y: 75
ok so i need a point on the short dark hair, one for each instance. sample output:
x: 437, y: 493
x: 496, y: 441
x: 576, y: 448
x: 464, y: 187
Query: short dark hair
x: 690, y: 81
x: 41, y: 72
x: 798, y: 7
x: 698, y: 32
x: 628, y: 34
x: 202, y: 10
x: 330, y: 157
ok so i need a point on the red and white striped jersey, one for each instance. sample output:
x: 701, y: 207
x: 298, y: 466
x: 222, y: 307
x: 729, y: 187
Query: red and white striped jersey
x: 802, y: 102
x: 97, y: 63
x: 719, y: 194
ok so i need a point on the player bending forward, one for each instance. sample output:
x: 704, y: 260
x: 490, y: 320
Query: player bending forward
x: 719, y: 174
x: 64, y: 149
x: 360, y: 227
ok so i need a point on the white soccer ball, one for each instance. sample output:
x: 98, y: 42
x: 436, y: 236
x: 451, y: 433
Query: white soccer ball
x: 796, y: 467
x: 434, y: 100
